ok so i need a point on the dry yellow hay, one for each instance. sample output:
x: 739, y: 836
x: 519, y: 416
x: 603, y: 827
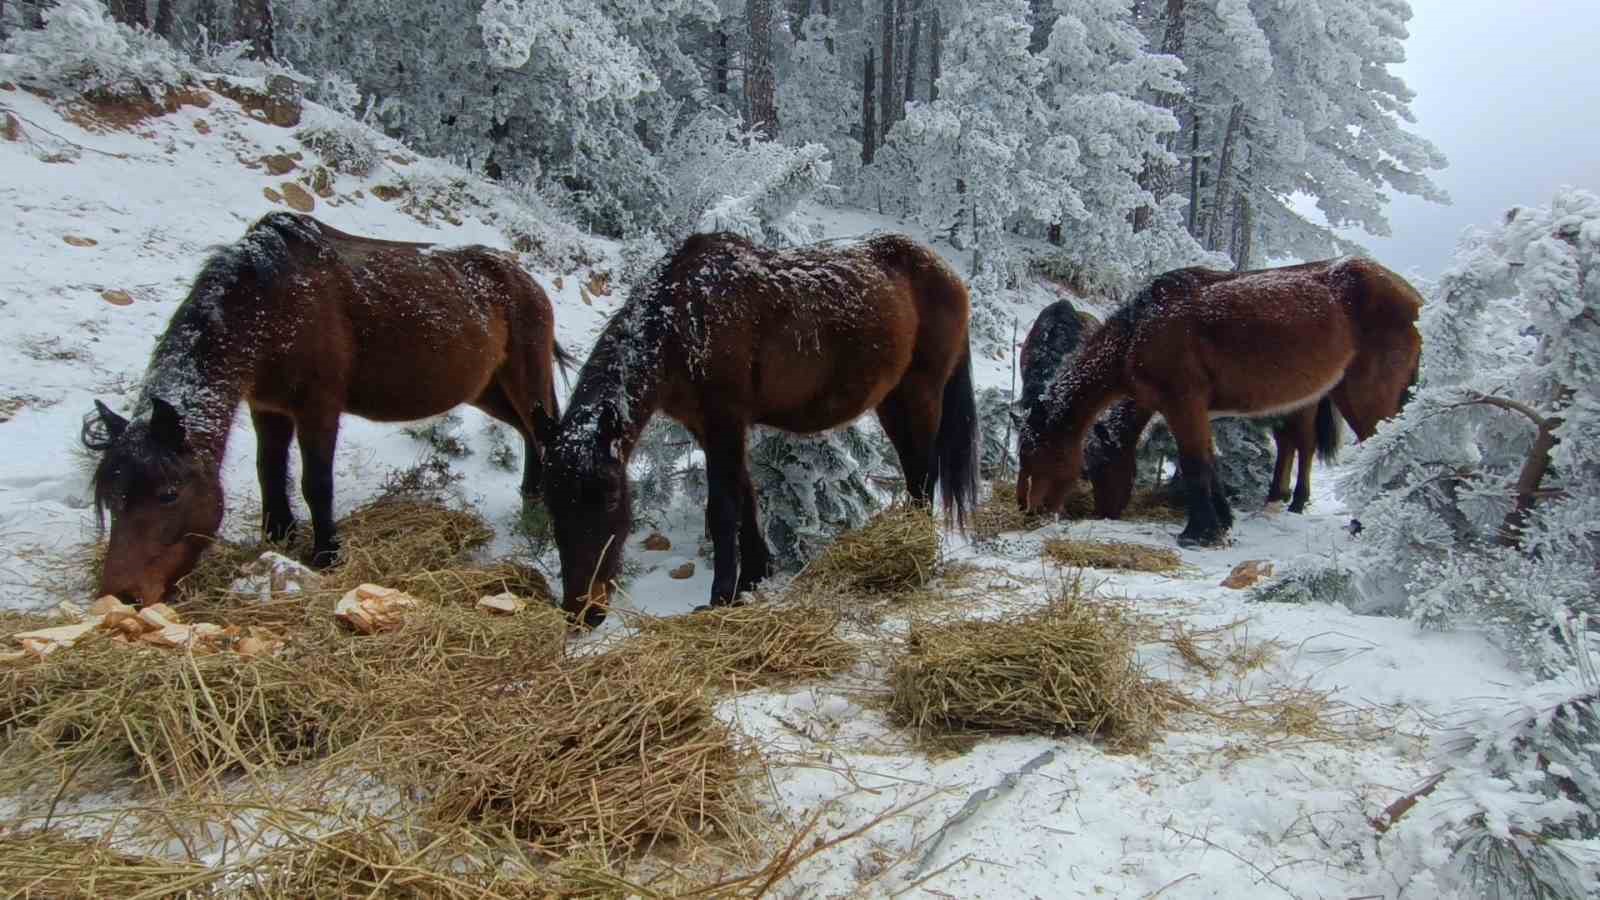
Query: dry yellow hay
x: 1119, y: 555
x: 759, y: 644
x: 618, y: 749
x: 181, y: 720
x: 999, y: 513
x: 1066, y: 669
x: 1153, y: 503
x: 43, y: 863
x: 896, y: 551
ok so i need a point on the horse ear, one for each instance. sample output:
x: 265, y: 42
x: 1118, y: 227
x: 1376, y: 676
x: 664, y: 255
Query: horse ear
x: 165, y: 424
x: 545, y: 427
x: 115, y: 424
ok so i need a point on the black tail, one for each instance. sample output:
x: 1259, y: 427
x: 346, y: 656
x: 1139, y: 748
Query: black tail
x: 565, y: 361
x: 957, y: 444
x: 1328, y: 432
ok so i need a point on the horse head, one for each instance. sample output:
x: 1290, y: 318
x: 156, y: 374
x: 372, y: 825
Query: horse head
x: 164, y: 497
x: 1045, y: 470
x: 586, y: 494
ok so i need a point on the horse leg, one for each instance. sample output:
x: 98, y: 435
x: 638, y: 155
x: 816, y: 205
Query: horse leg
x: 755, y: 558
x: 273, y: 435
x: 1304, y: 431
x: 1209, y: 513
x: 496, y: 401
x: 1279, y: 489
x: 318, y: 437
x: 726, y: 472
x: 911, y: 420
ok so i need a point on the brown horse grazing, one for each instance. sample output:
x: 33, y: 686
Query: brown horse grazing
x: 1111, y: 449
x: 303, y: 322
x: 724, y: 335
x: 1198, y: 343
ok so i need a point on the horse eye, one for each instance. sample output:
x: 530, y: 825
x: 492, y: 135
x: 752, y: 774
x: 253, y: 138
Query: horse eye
x: 168, y: 497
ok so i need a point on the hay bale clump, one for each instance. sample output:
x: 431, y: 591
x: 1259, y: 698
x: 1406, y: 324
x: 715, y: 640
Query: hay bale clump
x: 896, y: 551
x: 390, y: 537
x: 999, y: 513
x: 622, y: 750
x: 1120, y: 555
x: 1155, y: 503
x: 48, y: 863
x: 1066, y: 669
x: 746, y: 646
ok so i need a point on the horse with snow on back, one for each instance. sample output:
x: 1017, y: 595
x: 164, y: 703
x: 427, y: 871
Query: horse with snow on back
x: 724, y: 335
x: 302, y: 322
x: 1199, y: 343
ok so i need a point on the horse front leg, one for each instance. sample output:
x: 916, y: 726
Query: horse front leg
x: 318, y: 438
x: 274, y: 432
x: 1209, y: 513
x: 726, y: 472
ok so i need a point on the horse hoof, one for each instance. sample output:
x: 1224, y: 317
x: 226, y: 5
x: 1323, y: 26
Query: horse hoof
x: 1203, y: 542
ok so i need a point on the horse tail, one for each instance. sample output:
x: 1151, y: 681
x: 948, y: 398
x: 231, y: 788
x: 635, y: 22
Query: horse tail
x: 1328, y: 433
x: 565, y: 362
x: 956, y: 445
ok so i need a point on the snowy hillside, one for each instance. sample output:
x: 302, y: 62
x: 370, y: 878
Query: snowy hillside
x: 109, y: 225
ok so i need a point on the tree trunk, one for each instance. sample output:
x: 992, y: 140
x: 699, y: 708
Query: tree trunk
x: 166, y: 15
x: 254, y: 19
x: 129, y: 12
x: 869, y: 119
x: 760, y: 84
x: 827, y: 10
x: 1219, y: 200
x: 719, y: 77
x: 3, y: 32
x: 1244, y: 226
x: 1534, y: 467
x: 911, y: 51
x: 935, y: 51
x: 1157, y: 177
x: 1194, y: 171
x: 891, y: 25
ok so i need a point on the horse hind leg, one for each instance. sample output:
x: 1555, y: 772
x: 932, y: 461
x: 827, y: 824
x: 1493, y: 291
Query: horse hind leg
x: 1282, y: 440
x: 496, y: 400
x: 726, y: 474
x: 274, y: 433
x: 319, y: 436
x: 910, y: 417
x: 755, y: 558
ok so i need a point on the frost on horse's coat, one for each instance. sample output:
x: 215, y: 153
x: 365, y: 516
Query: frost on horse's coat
x: 302, y: 322
x: 723, y: 335
x: 1198, y: 340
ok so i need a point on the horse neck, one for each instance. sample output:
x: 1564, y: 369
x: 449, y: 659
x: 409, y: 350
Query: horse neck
x: 1083, y: 390
x: 615, y: 400
x: 205, y: 388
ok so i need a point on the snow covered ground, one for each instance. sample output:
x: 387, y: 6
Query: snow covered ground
x: 1208, y: 811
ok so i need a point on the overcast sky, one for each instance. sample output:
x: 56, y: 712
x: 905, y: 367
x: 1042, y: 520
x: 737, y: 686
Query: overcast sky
x: 1510, y: 91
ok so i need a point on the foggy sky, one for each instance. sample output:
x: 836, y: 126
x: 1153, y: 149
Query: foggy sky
x: 1510, y: 92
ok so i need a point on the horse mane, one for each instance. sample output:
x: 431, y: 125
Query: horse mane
x: 1055, y: 336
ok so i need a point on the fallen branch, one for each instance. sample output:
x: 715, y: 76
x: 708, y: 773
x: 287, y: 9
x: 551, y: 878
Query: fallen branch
x: 1391, y: 814
x: 979, y: 798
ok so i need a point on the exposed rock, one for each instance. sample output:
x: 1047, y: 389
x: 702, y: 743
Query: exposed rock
x: 298, y: 198
x: 684, y: 571
x: 278, y: 163
x: 117, y: 297
x: 657, y: 541
x: 272, y: 195
x: 77, y: 241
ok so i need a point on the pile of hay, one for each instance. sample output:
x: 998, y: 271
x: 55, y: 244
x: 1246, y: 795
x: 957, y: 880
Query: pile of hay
x: 757, y: 645
x: 999, y: 513
x: 1066, y: 669
x: 101, y: 711
x: 46, y: 863
x: 1128, y: 557
x: 895, y: 552
x: 621, y: 750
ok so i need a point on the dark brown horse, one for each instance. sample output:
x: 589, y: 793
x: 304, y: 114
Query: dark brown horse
x: 1111, y: 449
x: 724, y: 335
x: 1198, y: 343
x: 302, y: 322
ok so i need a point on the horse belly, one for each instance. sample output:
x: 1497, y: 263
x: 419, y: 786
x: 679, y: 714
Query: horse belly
x: 426, y: 372
x: 811, y: 392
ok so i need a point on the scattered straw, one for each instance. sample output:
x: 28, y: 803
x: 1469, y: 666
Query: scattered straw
x: 746, y: 646
x: 43, y: 863
x: 1068, y: 668
x: 896, y: 551
x: 999, y: 513
x: 1154, y: 504
x: 1111, y: 555
x: 393, y: 536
